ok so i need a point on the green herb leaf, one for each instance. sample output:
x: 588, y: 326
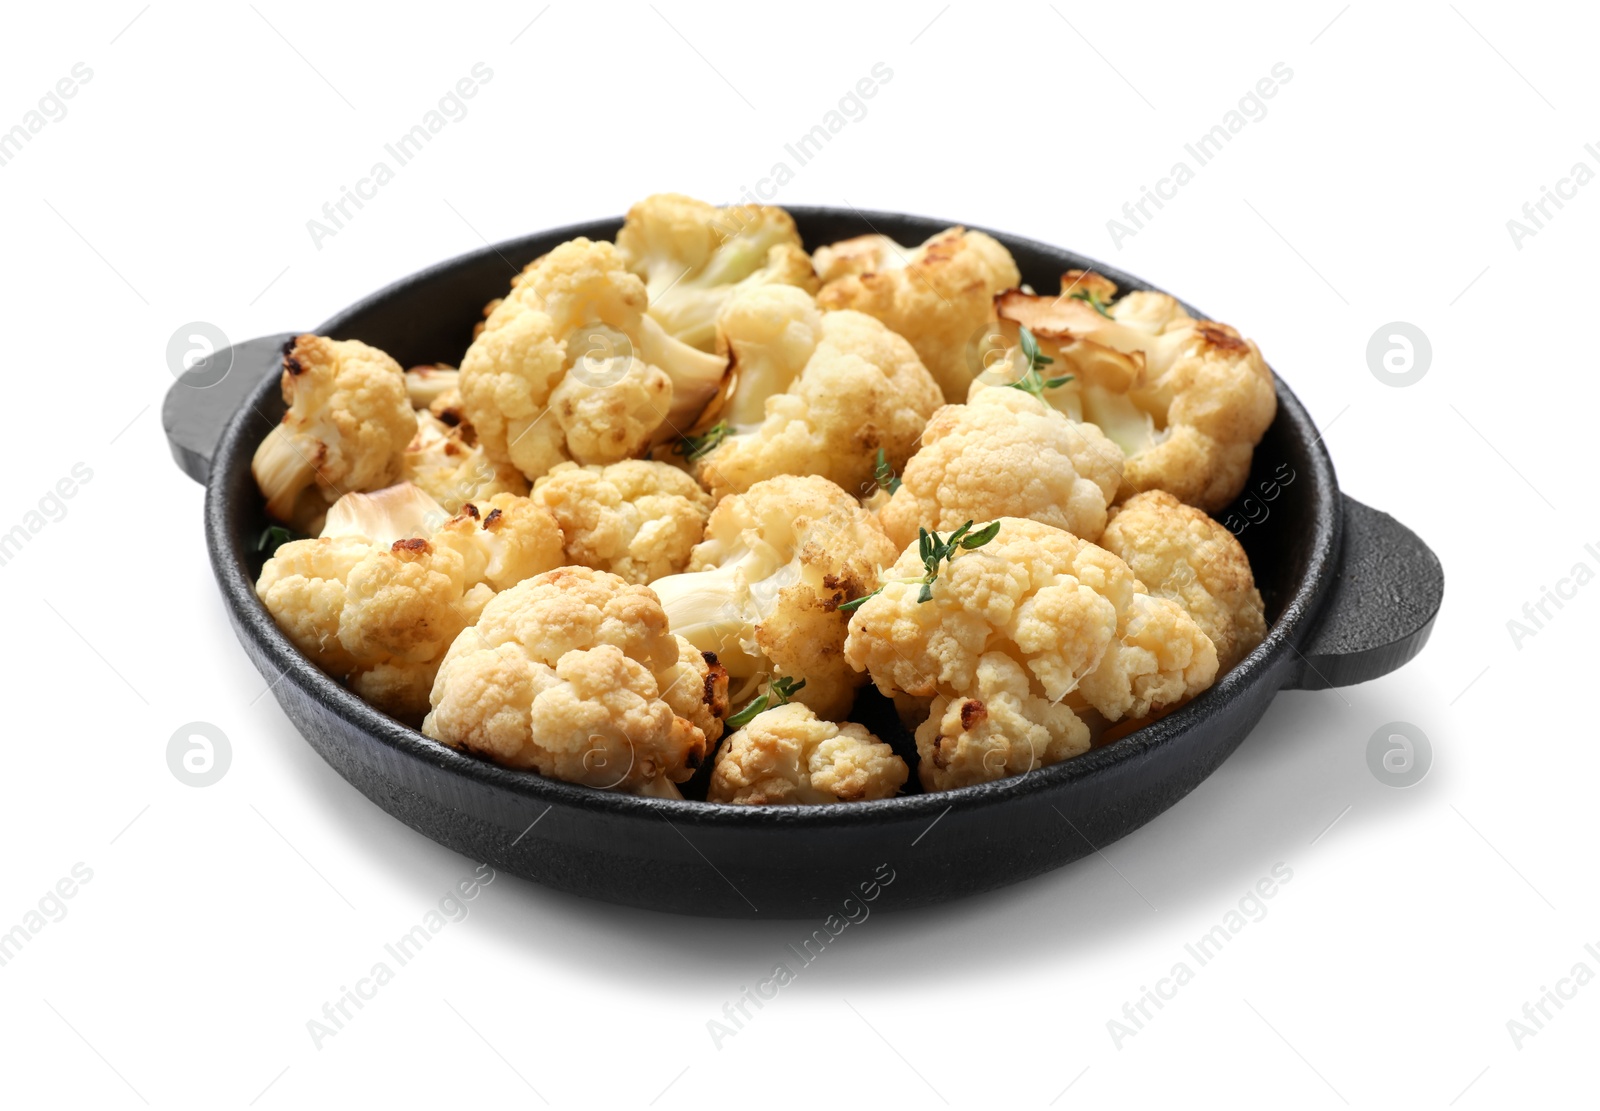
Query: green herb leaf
x: 693, y: 448
x: 785, y: 688
x: 1033, y: 380
x: 981, y: 537
x: 855, y: 603
x: 936, y: 550
x: 1092, y: 298
x: 885, y: 473
x: 272, y: 538
x: 779, y: 692
x: 1030, y: 350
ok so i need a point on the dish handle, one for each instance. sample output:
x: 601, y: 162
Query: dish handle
x: 1386, y: 593
x: 201, y: 402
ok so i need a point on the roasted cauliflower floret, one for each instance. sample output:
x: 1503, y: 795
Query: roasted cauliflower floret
x: 938, y: 295
x: 347, y: 424
x: 763, y: 589
x: 810, y: 393
x: 1187, y: 400
x: 693, y: 256
x: 569, y: 367
x: 574, y: 674
x: 1005, y: 454
x: 452, y: 471
x: 378, y: 598
x: 789, y: 756
x: 1069, y: 612
x: 1001, y: 727
x: 1180, y: 553
x: 638, y: 519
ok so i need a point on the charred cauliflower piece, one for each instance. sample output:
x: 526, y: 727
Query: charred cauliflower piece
x: 1070, y: 613
x: 693, y: 256
x: 348, y: 422
x: 574, y: 674
x: 1005, y: 454
x: 763, y: 589
x: 378, y: 598
x: 569, y: 367
x: 938, y: 295
x: 1180, y: 553
x: 638, y: 519
x: 810, y: 393
x: 789, y: 756
x: 1187, y: 400
x: 1001, y: 727
x: 451, y: 470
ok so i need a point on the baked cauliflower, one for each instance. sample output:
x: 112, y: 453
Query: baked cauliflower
x: 938, y: 295
x: 1180, y: 553
x: 453, y: 471
x: 574, y: 674
x: 763, y: 589
x: 377, y: 599
x: 569, y: 367
x: 693, y: 256
x: 638, y: 519
x: 348, y: 422
x: 789, y: 756
x: 1187, y: 400
x: 1005, y: 454
x: 809, y: 393
x: 1072, y: 614
x: 1002, y: 726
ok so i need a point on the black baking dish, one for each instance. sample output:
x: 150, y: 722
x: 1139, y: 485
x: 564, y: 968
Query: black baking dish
x: 1351, y: 595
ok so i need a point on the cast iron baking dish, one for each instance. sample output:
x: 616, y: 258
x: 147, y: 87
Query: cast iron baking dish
x: 1351, y: 595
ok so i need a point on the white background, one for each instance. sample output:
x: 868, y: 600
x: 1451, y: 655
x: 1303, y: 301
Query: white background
x: 177, y: 188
